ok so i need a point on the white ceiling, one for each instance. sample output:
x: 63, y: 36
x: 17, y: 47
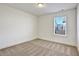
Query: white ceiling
x: 49, y: 7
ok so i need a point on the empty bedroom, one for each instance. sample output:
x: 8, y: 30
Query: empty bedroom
x: 39, y: 29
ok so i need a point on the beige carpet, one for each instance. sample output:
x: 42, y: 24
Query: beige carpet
x: 39, y: 48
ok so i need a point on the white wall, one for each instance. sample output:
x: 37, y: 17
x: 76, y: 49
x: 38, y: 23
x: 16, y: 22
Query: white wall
x: 46, y: 27
x: 78, y: 27
x: 16, y: 26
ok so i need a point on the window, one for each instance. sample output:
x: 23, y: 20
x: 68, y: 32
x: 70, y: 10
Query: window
x: 60, y: 25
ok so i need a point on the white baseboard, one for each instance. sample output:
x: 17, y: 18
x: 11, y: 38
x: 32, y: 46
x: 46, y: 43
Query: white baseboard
x: 57, y: 42
x: 30, y: 40
x: 19, y: 42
